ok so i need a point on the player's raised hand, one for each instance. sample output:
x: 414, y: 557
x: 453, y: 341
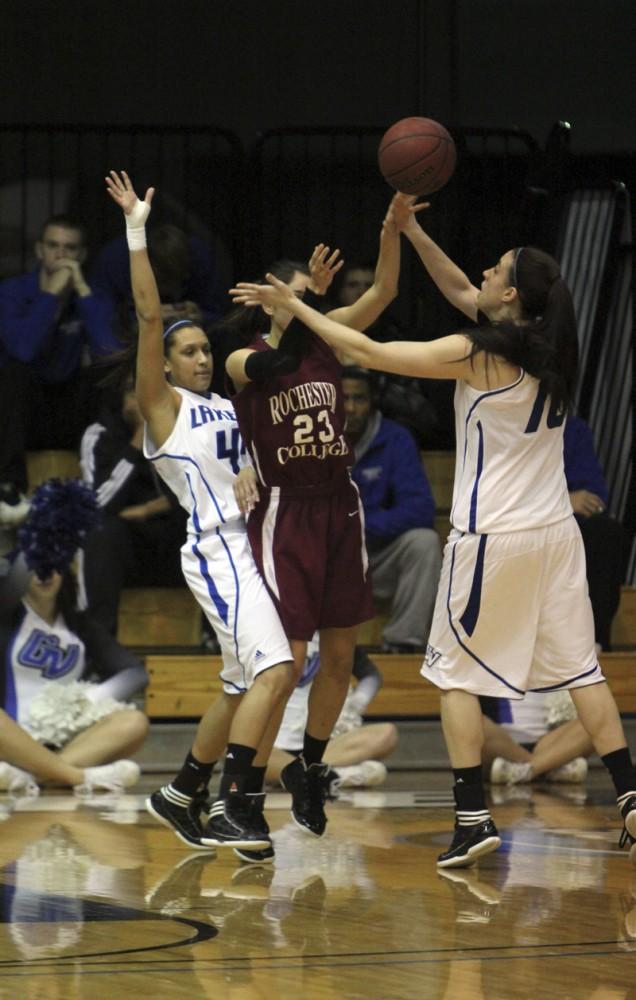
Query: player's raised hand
x: 401, y: 212
x: 323, y: 267
x: 275, y: 293
x: 119, y: 187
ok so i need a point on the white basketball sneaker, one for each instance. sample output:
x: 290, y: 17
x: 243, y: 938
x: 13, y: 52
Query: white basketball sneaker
x: 507, y: 772
x: 574, y: 772
x: 363, y: 775
x: 12, y: 779
x: 109, y: 777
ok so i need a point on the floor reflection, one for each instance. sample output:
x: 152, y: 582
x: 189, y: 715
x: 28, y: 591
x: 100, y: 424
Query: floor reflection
x: 362, y: 907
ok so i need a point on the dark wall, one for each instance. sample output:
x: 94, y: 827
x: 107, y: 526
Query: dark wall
x: 531, y: 62
x: 252, y: 64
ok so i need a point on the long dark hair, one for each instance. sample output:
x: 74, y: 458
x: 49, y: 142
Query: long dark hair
x: 545, y: 342
x: 244, y: 322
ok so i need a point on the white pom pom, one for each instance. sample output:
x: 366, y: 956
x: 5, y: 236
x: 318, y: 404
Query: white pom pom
x: 61, y: 711
x: 559, y: 708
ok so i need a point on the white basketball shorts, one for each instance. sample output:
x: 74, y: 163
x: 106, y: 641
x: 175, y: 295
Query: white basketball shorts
x: 513, y: 614
x: 221, y: 573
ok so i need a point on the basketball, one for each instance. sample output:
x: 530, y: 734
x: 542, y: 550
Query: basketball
x: 417, y: 156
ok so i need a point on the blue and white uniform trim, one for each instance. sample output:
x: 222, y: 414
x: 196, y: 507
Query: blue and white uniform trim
x: 186, y: 458
x: 472, y: 618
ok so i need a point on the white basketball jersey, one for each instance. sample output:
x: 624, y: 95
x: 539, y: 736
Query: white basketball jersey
x: 39, y: 653
x: 509, y: 473
x: 200, y: 459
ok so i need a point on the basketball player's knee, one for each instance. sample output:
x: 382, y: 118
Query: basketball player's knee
x: 279, y: 680
x: 338, y: 665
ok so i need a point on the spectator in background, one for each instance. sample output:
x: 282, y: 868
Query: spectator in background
x: 138, y: 542
x: 186, y: 272
x: 53, y: 327
x: 400, y: 398
x: 399, y: 513
x: 603, y: 536
x: 49, y: 651
x: 352, y: 282
x: 538, y: 736
x: 25, y: 764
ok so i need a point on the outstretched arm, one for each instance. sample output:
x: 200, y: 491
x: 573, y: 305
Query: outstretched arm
x: 449, y: 278
x: 158, y: 402
x: 444, y: 358
x: 366, y: 310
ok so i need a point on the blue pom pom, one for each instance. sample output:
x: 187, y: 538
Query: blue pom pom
x: 60, y: 515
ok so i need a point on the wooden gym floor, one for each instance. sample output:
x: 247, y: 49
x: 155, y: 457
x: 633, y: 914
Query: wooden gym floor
x: 99, y: 901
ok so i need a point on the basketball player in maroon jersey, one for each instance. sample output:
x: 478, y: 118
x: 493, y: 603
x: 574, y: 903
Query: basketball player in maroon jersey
x: 306, y: 528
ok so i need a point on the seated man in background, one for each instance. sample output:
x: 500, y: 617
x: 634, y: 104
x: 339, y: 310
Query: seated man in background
x: 603, y: 537
x: 139, y: 540
x: 356, y: 749
x: 399, y: 513
x: 185, y: 269
x: 400, y: 398
x: 53, y: 326
x: 356, y: 278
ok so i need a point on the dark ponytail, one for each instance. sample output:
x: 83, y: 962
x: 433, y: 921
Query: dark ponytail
x: 244, y: 323
x: 545, y: 344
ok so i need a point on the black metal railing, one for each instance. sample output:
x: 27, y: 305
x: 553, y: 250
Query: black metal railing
x: 46, y: 170
x: 292, y: 188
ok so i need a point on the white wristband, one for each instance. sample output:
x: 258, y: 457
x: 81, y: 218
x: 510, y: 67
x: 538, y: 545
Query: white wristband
x: 135, y: 225
x: 136, y: 236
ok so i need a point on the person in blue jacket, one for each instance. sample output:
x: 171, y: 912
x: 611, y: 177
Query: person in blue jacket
x: 603, y: 536
x: 186, y: 268
x: 399, y: 513
x: 53, y: 326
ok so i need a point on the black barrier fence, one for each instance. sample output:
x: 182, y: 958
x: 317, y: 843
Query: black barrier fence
x: 292, y: 188
x: 45, y: 171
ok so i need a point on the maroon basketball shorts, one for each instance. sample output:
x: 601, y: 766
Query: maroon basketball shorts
x: 309, y: 547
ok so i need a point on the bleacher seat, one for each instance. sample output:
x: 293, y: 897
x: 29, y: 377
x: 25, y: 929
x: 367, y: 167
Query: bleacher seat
x: 159, y: 616
x: 51, y: 464
x: 181, y: 685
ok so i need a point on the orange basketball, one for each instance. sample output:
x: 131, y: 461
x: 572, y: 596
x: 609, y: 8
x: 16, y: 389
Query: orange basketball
x: 417, y: 156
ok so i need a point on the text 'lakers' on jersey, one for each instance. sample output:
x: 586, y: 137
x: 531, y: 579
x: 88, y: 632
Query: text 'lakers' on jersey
x: 200, y: 459
x: 293, y: 425
x: 509, y: 473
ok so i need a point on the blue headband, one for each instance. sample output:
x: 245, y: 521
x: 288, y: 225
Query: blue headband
x: 177, y: 326
x: 514, y: 266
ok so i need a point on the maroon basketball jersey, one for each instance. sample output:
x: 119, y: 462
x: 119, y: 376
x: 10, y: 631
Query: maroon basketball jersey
x: 293, y: 425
